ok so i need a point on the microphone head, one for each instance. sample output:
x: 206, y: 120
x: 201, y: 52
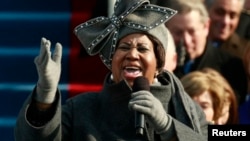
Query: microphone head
x: 141, y: 83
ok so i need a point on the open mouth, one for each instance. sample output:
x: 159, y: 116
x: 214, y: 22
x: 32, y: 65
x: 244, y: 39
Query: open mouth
x: 132, y: 71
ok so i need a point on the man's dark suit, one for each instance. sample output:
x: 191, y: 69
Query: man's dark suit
x: 230, y: 66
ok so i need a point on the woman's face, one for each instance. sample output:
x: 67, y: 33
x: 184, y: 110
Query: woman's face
x: 134, y: 56
x: 205, y: 101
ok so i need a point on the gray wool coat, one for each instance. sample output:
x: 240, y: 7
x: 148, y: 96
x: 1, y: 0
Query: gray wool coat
x: 105, y: 116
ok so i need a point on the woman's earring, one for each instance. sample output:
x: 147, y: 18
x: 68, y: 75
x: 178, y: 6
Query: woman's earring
x: 111, y: 77
x: 155, y: 78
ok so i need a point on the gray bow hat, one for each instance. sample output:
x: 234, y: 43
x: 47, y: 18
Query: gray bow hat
x: 101, y: 34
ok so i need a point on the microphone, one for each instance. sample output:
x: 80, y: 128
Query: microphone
x: 183, y: 56
x: 181, y: 52
x: 140, y: 83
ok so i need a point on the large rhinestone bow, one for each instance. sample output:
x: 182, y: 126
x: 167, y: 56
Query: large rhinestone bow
x: 99, y: 35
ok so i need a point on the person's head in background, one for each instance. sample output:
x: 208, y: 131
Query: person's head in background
x: 214, y: 94
x: 190, y: 25
x: 224, y: 15
x: 247, y: 5
x: 171, y: 55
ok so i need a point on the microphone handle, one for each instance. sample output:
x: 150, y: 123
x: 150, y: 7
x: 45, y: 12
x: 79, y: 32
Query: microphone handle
x: 139, y: 123
x: 140, y: 83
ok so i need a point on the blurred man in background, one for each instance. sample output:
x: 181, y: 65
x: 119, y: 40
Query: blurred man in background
x: 191, y: 26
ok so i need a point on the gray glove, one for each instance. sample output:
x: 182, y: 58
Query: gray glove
x: 144, y: 102
x: 49, y: 71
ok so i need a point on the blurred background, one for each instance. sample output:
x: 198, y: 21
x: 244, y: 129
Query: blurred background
x: 22, y: 24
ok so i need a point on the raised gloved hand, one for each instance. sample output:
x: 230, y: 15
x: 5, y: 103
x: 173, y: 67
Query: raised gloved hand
x: 49, y: 71
x: 144, y: 102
